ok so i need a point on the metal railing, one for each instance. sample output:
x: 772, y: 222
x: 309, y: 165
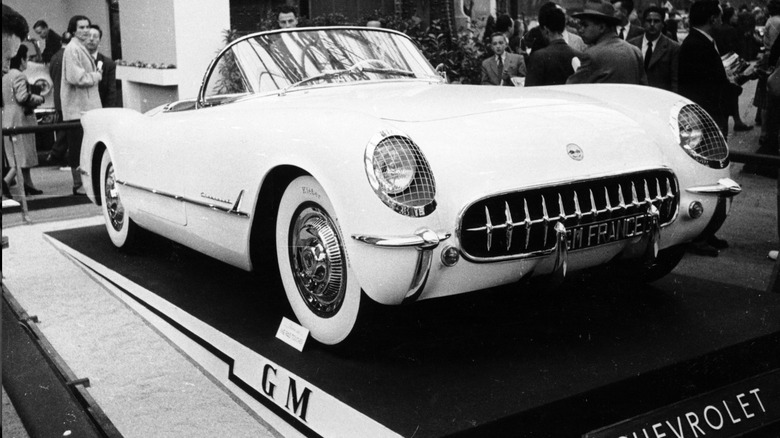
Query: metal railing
x: 9, y: 133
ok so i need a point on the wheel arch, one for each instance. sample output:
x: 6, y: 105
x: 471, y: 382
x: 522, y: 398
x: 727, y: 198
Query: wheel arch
x: 263, y: 234
x: 94, y: 170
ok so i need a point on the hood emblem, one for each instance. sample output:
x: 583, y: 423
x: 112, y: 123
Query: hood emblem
x: 574, y: 151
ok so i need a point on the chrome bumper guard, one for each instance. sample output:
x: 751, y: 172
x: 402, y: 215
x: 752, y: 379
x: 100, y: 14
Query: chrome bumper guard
x: 725, y: 187
x: 424, y: 241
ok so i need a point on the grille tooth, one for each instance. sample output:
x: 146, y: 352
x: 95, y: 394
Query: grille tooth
x: 635, y: 198
x: 484, y: 240
x: 546, y: 219
x: 527, y: 222
x: 647, y: 194
x: 577, y: 211
x: 488, y: 228
x: 621, y: 200
x: 509, y: 225
x: 562, y: 213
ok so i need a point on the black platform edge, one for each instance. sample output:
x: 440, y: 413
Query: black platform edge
x: 221, y: 355
x: 48, y: 202
x: 580, y: 414
x: 46, y: 394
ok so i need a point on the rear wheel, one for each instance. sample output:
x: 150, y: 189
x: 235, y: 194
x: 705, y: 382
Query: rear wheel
x: 318, y: 280
x: 124, y: 233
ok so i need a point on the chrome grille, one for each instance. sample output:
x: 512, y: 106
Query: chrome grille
x: 521, y: 224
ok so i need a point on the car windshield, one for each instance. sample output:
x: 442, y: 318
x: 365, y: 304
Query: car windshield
x: 286, y: 60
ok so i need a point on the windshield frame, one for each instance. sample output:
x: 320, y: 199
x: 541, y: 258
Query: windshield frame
x: 202, y: 100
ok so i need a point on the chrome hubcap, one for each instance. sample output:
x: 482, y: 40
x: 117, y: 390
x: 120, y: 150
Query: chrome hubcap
x: 116, y: 212
x: 317, y: 261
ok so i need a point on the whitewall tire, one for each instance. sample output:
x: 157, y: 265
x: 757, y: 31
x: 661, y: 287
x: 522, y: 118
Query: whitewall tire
x: 124, y: 233
x: 313, y: 262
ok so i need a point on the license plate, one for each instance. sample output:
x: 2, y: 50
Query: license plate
x: 608, y: 231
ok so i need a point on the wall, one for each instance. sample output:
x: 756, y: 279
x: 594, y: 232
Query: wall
x: 200, y: 26
x: 185, y: 33
x: 148, y: 32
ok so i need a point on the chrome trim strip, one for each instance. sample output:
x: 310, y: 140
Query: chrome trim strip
x: 233, y: 210
x: 724, y: 187
x: 420, y: 276
x: 423, y: 239
x: 654, y: 235
x: 561, y: 253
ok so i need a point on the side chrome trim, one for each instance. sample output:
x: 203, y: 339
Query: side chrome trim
x: 232, y: 210
x: 724, y: 187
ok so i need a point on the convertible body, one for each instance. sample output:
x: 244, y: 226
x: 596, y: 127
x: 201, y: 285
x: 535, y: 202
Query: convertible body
x: 340, y: 155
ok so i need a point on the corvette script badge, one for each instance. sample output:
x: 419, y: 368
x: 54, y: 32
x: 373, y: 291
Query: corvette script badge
x: 574, y: 151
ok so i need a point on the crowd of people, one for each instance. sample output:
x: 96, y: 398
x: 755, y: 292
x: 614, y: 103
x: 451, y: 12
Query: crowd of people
x: 606, y: 42
x: 82, y: 77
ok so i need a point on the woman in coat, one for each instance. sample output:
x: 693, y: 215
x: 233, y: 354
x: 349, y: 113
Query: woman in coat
x: 18, y: 106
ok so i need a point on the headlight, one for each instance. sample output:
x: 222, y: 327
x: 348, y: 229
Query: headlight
x: 699, y: 136
x: 393, y: 167
x: 400, y: 175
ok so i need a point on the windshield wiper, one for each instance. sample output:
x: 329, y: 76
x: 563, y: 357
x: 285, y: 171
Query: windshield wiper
x: 393, y: 71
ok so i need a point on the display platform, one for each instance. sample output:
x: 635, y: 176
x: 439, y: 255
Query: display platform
x: 499, y: 362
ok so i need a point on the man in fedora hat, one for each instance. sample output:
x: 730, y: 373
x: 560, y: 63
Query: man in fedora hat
x: 608, y: 59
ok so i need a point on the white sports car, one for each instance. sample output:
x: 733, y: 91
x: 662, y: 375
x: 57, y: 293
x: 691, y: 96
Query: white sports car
x: 342, y: 156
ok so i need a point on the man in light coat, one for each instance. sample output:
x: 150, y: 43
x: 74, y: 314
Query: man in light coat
x: 79, y: 90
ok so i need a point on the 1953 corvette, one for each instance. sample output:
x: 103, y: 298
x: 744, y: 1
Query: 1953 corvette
x: 340, y: 156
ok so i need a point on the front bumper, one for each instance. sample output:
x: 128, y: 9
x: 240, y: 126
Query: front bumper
x: 425, y: 241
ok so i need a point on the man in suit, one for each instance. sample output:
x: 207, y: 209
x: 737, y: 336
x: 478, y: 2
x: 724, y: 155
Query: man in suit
x: 703, y: 80
x: 608, y: 59
x: 60, y: 148
x: 626, y: 30
x: 107, y: 85
x: 661, y: 55
x: 50, y: 38
x: 702, y: 77
x: 500, y: 68
x: 553, y: 64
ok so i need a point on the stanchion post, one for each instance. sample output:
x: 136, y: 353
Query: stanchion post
x: 20, y: 180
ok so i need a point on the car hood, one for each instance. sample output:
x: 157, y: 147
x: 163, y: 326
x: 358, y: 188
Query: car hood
x: 421, y: 102
x: 504, y: 138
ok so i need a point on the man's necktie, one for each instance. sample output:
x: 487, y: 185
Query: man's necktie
x: 621, y: 34
x: 648, y: 54
x: 500, y: 71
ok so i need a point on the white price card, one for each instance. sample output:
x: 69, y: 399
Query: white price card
x: 292, y: 334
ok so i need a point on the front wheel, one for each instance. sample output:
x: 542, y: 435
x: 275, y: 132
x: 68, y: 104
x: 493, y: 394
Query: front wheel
x: 124, y: 233
x: 316, y: 274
